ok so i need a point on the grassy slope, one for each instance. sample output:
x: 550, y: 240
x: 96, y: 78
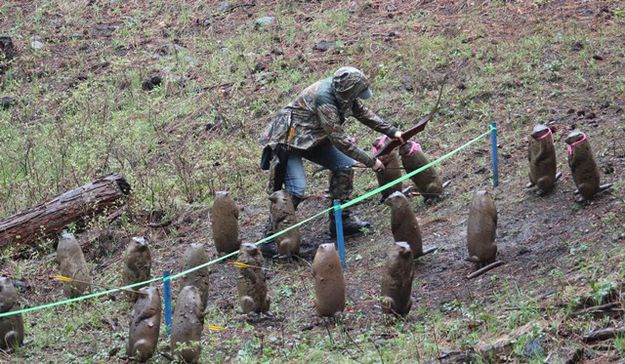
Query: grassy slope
x: 82, y: 112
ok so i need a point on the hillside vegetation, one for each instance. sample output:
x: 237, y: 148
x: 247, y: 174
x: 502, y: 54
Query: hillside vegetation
x: 174, y: 95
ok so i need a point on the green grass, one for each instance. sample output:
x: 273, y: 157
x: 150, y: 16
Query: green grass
x: 105, y: 124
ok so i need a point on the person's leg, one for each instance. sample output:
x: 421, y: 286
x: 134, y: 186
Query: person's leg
x: 341, y: 184
x: 295, y: 179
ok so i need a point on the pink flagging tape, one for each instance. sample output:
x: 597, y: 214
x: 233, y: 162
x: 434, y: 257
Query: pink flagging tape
x: 413, y: 148
x: 548, y: 133
x: 379, y: 144
x: 569, y: 148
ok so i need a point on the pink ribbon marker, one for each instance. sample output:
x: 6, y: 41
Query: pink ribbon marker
x: 413, y: 148
x: 379, y: 144
x: 569, y: 148
x: 548, y: 133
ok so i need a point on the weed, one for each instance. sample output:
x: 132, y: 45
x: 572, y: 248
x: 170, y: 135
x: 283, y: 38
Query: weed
x: 601, y: 290
x: 619, y: 345
x: 619, y: 13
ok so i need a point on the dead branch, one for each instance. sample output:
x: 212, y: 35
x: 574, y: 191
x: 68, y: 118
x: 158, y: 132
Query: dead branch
x: 604, y: 334
x: 598, y: 308
x: 485, y: 269
x: 428, y: 251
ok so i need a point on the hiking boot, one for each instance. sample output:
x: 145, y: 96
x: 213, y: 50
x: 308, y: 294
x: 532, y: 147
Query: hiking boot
x: 341, y: 187
x: 268, y: 249
x: 296, y: 201
x: 352, y: 224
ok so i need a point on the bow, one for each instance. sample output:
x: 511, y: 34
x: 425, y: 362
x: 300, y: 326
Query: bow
x: 394, y: 143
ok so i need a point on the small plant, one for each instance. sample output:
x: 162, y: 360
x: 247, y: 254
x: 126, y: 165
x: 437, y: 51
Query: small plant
x: 600, y: 291
x: 577, y: 249
x: 453, y: 305
x: 366, y: 231
x: 619, y: 345
x: 553, y: 69
x: 285, y: 291
x: 618, y: 13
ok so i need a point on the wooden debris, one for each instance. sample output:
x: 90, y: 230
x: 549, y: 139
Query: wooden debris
x: 78, y: 205
x: 485, y: 269
x: 500, y: 347
x: 428, y: 251
x: 504, y: 345
x: 599, y: 308
x: 457, y: 357
x: 604, y: 334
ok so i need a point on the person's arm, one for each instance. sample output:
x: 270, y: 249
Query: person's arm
x: 373, y: 121
x: 330, y: 122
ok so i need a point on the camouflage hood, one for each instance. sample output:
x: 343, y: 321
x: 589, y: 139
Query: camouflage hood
x: 319, y: 112
x: 348, y: 84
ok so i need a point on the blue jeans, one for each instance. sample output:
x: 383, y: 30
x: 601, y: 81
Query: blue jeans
x: 324, y: 154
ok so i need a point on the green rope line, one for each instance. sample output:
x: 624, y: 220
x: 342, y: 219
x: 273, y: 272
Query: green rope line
x: 406, y: 176
x: 76, y: 299
x: 262, y: 241
x: 173, y: 276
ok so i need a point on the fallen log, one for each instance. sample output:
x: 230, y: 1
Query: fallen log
x: 78, y: 205
x: 603, y: 334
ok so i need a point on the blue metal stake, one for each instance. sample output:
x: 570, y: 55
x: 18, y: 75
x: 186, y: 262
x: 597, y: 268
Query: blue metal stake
x: 167, y: 298
x: 340, y: 240
x: 493, y: 145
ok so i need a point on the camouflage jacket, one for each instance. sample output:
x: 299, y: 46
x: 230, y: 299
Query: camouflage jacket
x: 317, y: 114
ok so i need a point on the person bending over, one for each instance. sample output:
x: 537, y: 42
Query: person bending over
x: 311, y: 127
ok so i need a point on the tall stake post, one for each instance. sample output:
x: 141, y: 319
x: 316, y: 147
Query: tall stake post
x: 340, y: 239
x: 493, y: 145
x: 167, y: 299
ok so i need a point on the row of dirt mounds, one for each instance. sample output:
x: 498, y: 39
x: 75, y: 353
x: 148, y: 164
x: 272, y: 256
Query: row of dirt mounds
x: 536, y: 235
